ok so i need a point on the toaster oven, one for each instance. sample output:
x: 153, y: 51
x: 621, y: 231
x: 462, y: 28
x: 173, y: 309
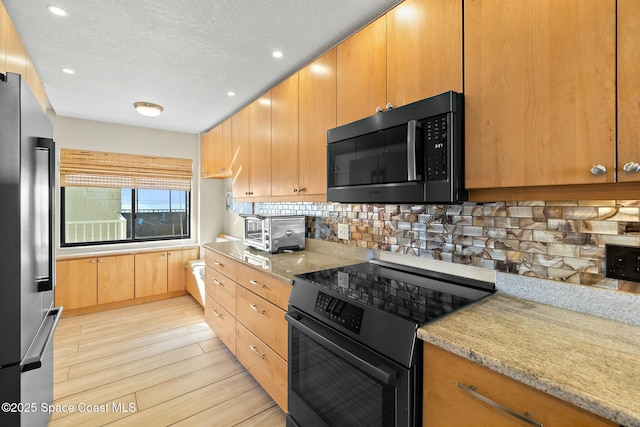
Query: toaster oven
x: 274, y: 233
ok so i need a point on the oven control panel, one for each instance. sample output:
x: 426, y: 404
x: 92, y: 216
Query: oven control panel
x: 339, y: 311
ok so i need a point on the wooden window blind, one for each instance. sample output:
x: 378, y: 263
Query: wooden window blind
x: 81, y: 168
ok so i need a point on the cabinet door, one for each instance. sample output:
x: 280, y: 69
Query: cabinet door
x: 628, y: 90
x: 76, y: 283
x: 539, y: 92
x: 284, y: 138
x: 116, y: 278
x: 317, y: 114
x: 151, y: 274
x: 446, y: 404
x: 361, y: 73
x: 240, y: 159
x: 260, y: 146
x: 207, y: 155
x: 227, y: 147
x: 424, y: 50
x: 176, y: 262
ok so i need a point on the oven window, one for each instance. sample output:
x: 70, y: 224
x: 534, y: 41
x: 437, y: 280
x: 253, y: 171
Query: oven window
x: 337, y: 391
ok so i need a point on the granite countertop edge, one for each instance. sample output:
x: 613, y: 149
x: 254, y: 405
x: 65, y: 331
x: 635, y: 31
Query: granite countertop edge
x: 579, y: 398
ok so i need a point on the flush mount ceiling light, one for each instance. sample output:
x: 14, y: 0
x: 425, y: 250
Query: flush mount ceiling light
x: 56, y: 10
x: 68, y: 71
x: 148, y: 109
x: 231, y: 93
x: 277, y: 54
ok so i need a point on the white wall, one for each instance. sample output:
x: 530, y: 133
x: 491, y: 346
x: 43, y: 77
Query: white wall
x: 207, y: 210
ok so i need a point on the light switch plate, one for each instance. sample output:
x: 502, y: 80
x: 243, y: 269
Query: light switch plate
x: 343, y: 231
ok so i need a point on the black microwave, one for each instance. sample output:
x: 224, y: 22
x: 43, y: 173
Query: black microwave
x: 410, y: 154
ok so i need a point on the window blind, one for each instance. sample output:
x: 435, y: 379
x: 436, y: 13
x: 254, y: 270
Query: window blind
x: 81, y: 168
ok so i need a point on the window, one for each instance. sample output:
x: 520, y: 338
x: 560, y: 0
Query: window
x: 96, y: 208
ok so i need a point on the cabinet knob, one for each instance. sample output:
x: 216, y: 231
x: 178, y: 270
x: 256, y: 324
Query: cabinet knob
x: 93, y: 261
x: 379, y: 110
x: 101, y: 260
x: 302, y: 190
x: 598, y: 170
x: 631, y: 167
x: 389, y: 106
x: 295, y: 190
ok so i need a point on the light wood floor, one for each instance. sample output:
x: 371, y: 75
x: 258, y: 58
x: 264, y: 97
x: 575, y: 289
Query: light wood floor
x: 159, y: 361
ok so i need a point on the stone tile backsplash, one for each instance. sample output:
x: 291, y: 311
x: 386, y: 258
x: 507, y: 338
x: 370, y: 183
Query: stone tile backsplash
x: 561, y: 241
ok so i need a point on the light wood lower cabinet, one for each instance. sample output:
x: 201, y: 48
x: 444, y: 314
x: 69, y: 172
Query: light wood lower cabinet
x: 221, y: 322
x: 176, y: 261
x: 264, y: 319
x: 269, y: 369
x: 76, y: 283
x: 250, y: 304
x: 151, y: 274
x: 116, y: 280
x: 90, y: 282
x: 445, y: 403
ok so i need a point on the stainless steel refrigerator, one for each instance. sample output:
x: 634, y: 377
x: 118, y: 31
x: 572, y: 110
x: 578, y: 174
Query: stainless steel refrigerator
x: 28, y: 318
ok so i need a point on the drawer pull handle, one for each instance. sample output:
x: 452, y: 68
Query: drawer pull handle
x: 255, y: 308
x: 217, y: 282
x: 255, y: 350
x: 218, y: 263
x: 472, y: 391
x: 216, y: 313
x: 253, y: 282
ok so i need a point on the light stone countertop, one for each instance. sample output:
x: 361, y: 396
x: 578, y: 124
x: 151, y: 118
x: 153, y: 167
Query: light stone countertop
x: 317, y: 255
x: 589, y: 361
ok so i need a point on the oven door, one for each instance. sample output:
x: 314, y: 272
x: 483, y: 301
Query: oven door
x: 255, y: 231
x: 334, y: 381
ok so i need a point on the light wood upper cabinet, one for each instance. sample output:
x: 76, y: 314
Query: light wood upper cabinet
x: 628, y: 90
x: 5, y: 21
x: 260, y: 147
x: 215, y: 151
x: 240, y: 158
x: 284, y: 138
x: 76, y: 283
x: 539, y: 92
x: 115, y: 278
x: 424, y: 49
x: 207, y: 151
x: 317, y: 114
x: 150, y: 274
x: 361, y: 73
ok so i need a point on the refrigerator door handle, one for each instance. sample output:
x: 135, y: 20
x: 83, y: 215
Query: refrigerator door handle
x: 46, y: 257
x: 36, y: 362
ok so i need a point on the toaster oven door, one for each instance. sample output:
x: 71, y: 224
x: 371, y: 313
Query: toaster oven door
x: 286, y: 233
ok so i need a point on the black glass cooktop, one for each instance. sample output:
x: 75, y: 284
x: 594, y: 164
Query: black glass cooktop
x: 416, y: 295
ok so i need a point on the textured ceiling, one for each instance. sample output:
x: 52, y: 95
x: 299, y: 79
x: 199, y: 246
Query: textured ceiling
x: 182, y: 54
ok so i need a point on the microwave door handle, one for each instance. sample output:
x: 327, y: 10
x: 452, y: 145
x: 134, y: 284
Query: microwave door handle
x: 411, y: 150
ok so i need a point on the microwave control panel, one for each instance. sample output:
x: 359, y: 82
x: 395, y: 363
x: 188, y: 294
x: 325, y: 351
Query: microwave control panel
x: 339, y: 311
x: 435, y: 137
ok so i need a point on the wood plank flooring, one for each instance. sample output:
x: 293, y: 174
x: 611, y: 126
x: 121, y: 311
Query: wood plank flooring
x: 156, y: 364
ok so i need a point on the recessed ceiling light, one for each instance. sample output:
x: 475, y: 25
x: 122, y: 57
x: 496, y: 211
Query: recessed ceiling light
x: 56, y: 10
x: 68, y: 71
x: 148, y: 109
x: 231, y: 93
x: 277, y: 54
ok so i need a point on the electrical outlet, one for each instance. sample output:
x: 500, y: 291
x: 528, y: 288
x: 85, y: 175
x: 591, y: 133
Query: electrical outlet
x: 343, y: 231
x: 622, y: 262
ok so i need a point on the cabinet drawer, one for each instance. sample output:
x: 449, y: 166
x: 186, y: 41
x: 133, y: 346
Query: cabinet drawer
x: 446, y: 404
x: 268, y: 287
x: 221, y: 263
x: 221, y: 289
x: 269, y: 369
x: 264, y: 319
x: 221, y: 322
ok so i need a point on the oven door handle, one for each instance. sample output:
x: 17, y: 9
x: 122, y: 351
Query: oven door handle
x: 382, y: 373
